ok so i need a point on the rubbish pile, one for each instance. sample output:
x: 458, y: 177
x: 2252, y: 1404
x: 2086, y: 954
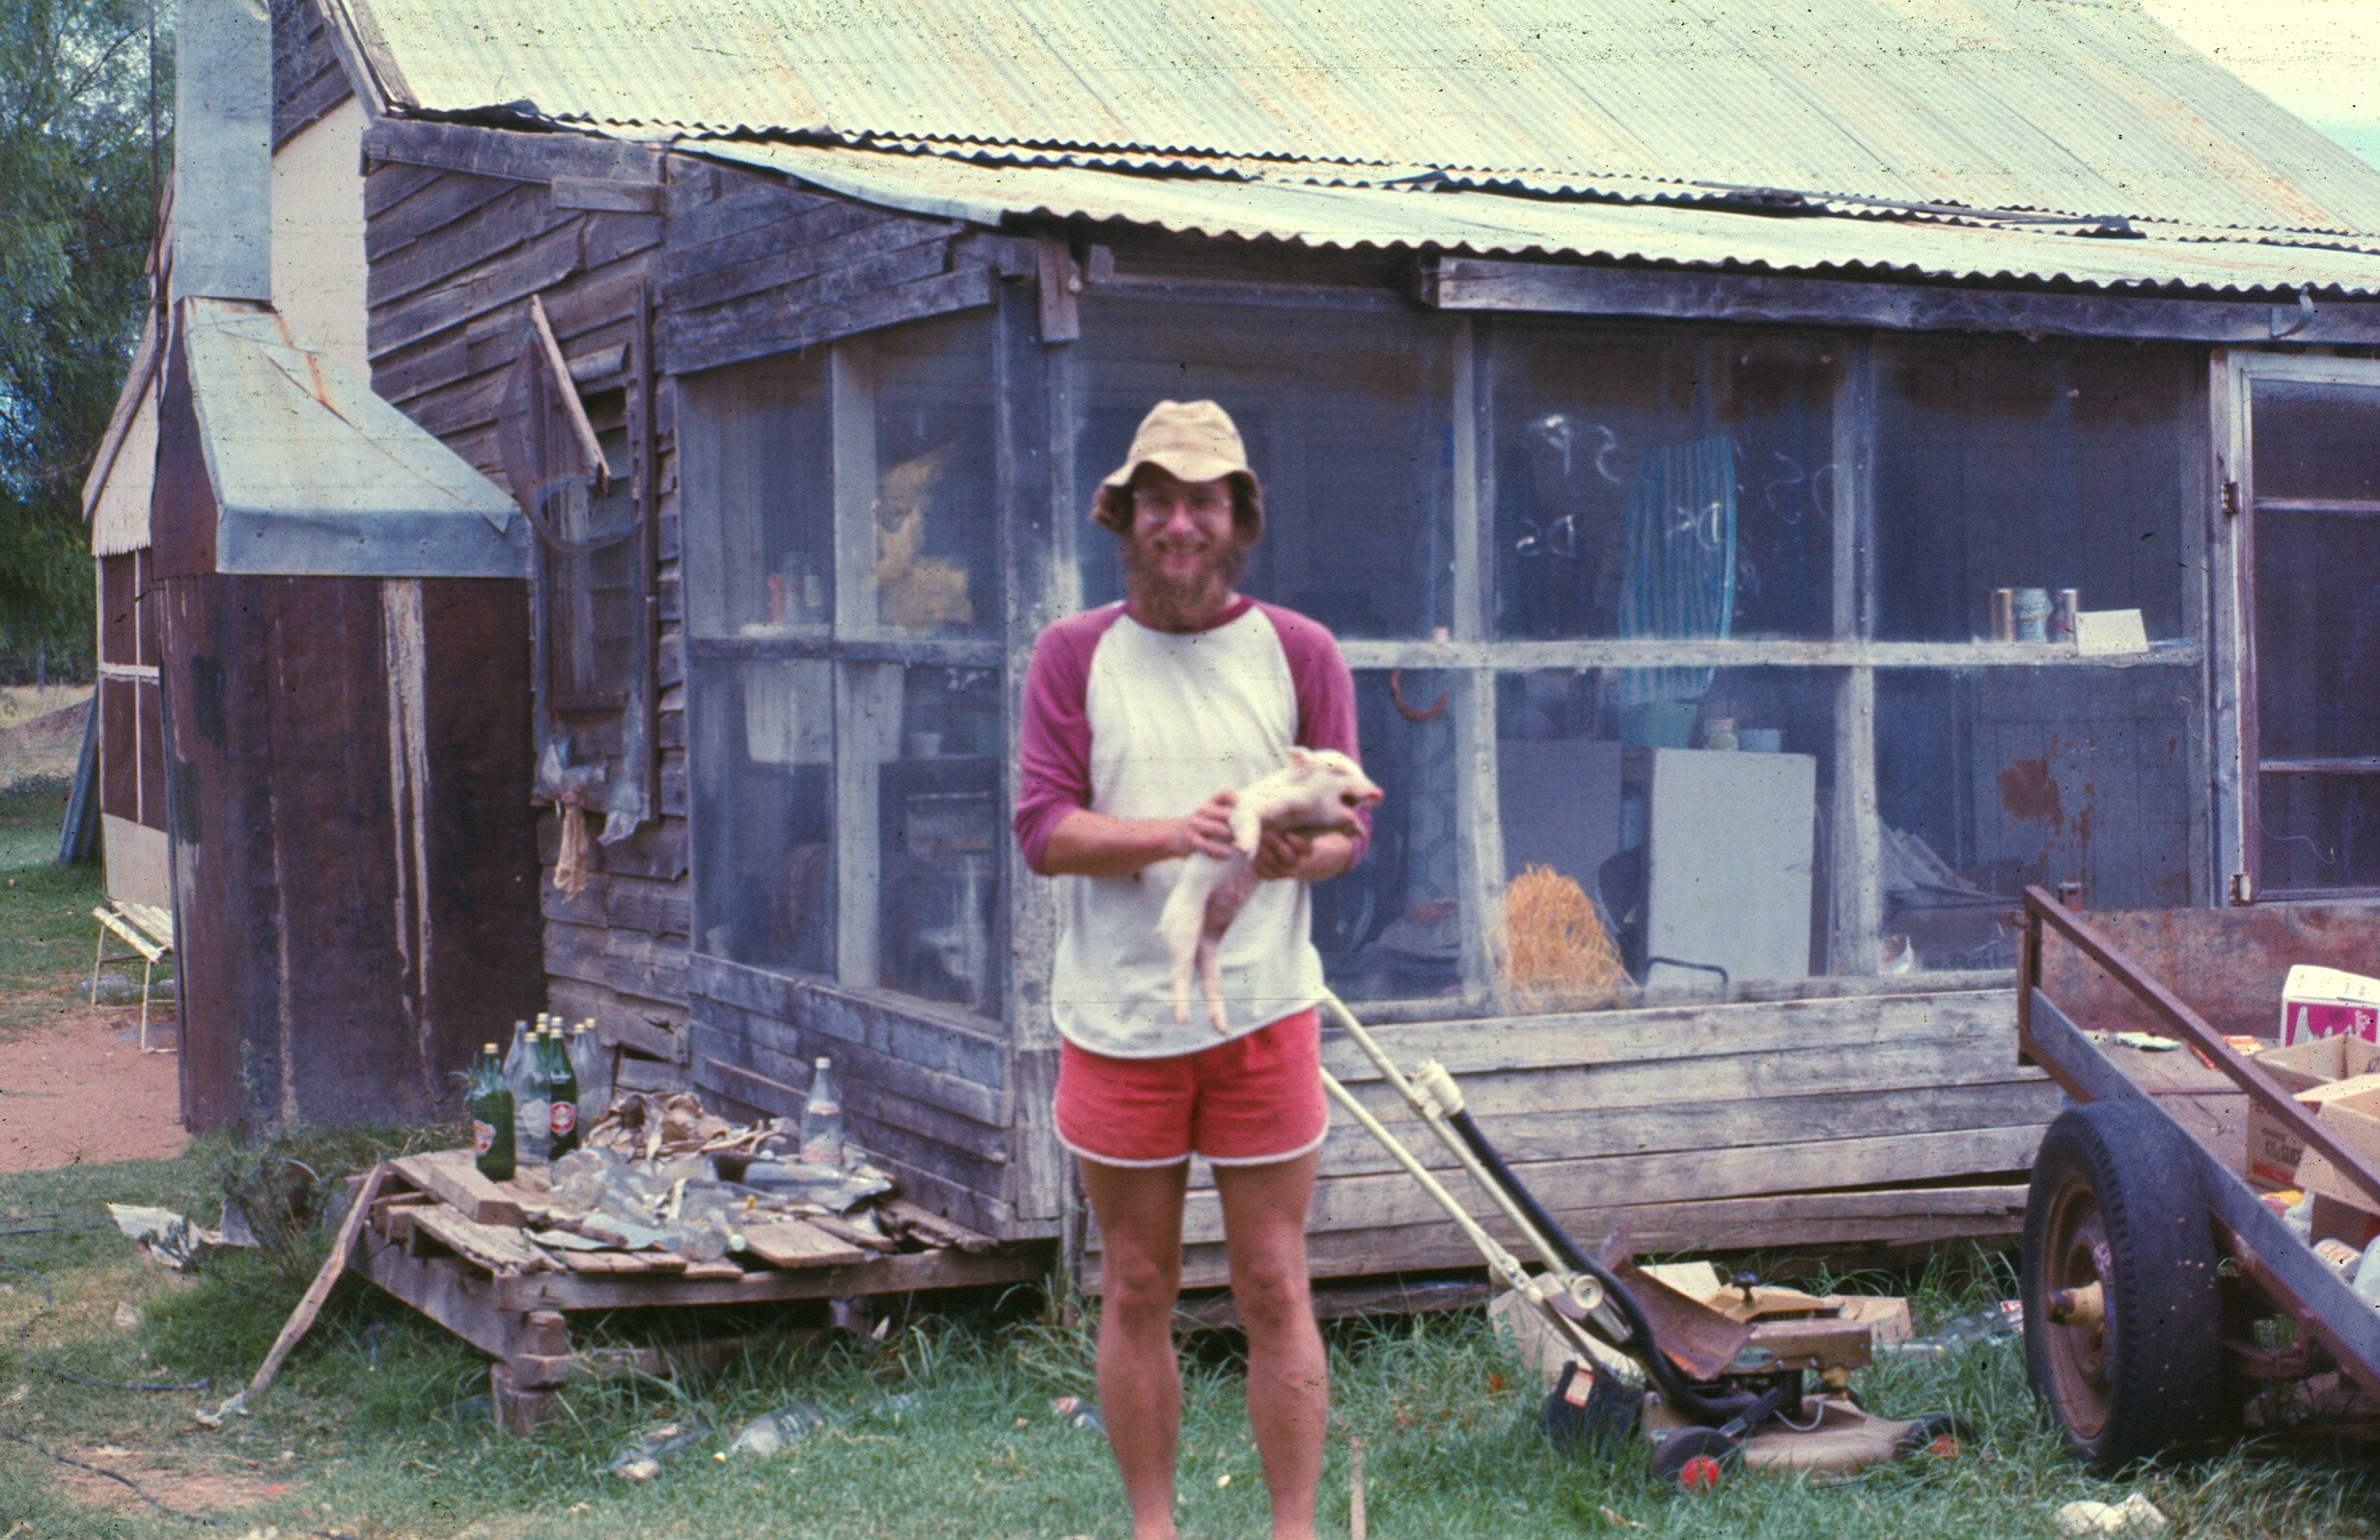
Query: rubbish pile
x: 651, y: 1182
x: 2327, y: 1059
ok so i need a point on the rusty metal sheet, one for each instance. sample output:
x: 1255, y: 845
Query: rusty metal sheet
x: 2228, y: 964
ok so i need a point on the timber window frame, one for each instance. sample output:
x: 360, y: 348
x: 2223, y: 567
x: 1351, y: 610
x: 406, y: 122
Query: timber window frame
x: 1468, y: 658
x: 2249, y: 772
x: 820, y: 619
x: 594, y: 619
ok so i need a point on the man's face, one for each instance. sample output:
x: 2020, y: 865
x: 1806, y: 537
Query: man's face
x: 1181, y: 523
x: 1185, y: 550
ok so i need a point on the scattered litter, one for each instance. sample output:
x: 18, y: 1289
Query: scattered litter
x: 128, y: 1315
x: 771, y: 1431
x: 2147, y: 1042
x: 165, y: 1234
x: 1076, y: 1412
x: 2004, y: 1321
x: 1224, y: 1480
x: 2135, y: 1515
x: 642, y: 1459
x: 1618, y: 1519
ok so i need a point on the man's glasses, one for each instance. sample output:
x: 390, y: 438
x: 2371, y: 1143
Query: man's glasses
x: 1150, y: 501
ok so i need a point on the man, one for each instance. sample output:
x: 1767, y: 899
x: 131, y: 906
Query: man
x: 1141, y: 720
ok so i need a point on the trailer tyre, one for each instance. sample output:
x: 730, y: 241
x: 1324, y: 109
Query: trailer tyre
x: 2123, y: 1314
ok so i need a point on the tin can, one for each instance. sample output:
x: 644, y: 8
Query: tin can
x: 2063, y: 604
x: 2003, y: 615
x: 2032, y: 607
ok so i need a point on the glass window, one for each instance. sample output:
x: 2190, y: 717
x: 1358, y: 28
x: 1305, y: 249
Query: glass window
x: 1989, y: 780
x: 1663, y: 486
x: 2316, y: 543
x: 763, y: 817
x: 758, y: 500
x: 2049, y: 465
x: 1344, y: 417
x: 941, y: 834
x: 933, y: 568
x: 1696, y: 835
x: 1392, y: 928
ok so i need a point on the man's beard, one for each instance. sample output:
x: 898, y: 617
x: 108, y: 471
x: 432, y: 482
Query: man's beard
x: 1169, y: 603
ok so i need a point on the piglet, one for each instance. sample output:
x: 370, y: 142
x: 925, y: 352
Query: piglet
x: 1317, y: 791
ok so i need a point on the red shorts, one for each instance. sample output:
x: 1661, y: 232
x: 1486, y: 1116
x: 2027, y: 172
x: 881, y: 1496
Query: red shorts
x: 1255, y: 1099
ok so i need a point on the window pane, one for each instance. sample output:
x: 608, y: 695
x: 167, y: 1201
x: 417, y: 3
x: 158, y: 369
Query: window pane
x: 2317, y: 600
x: 762, y: 761
x: 2048, y: 466
x: 1345, y: 418
x: 1697, y: 856
x: 2319, y: 831
x: 1392, y: 928
x: 757, y: 494
x: 941, y: 835
x: 591, y: 600
x: 1676, y: 486
x: 936, y: 561
x: 1988, y: 780
x: 2315, y: 441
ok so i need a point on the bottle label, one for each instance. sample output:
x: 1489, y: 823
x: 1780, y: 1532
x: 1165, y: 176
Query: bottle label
x: 565, y: 1116
x: 483, y: 1136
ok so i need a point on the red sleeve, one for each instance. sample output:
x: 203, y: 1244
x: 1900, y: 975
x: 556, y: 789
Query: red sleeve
x: 1054, y: 737
x: 1325, y: 694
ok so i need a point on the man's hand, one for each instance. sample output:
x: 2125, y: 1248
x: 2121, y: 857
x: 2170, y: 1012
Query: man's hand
x: 1209, y: 829
x: 1283, y: 854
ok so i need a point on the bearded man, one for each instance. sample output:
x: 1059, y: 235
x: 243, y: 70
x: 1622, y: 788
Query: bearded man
x: 1141, y: 721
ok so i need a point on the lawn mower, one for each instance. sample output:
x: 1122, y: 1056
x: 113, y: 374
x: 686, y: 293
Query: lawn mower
x: 1708, y: 1388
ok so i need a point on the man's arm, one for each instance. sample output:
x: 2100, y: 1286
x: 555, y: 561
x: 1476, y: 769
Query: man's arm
x: 1084, y: 844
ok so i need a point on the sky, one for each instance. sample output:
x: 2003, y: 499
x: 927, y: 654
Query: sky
x: 2318, y: 58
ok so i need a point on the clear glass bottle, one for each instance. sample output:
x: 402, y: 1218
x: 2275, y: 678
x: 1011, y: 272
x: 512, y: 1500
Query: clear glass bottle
x: 533, y: 1111
x: 822, y: 1118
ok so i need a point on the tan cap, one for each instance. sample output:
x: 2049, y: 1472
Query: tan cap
x: 1192, y: 440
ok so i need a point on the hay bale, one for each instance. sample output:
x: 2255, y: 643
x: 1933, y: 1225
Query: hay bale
x: 1557, y: 954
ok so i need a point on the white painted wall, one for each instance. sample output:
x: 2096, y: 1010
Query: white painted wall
x: 318, y: 235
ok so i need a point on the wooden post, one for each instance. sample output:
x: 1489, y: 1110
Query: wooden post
x: 865, y: 692
x: 1479, y: 816
x: 1855, y: 883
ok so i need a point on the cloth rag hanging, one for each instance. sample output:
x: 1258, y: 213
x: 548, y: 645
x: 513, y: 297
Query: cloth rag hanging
x: 1677, y: 572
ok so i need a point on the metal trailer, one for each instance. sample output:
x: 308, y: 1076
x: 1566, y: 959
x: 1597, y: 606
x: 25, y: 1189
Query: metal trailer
x: 2151, y: 1269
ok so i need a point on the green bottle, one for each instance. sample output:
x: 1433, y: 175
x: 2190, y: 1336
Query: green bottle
x: 491, y: 1117
x: 561, y: 1094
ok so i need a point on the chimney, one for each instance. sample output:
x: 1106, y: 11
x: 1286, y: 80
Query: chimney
x: 223, y: 162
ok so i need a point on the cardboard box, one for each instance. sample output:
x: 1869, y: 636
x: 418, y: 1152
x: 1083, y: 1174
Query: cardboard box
x: 2325, y: 1001
x: 2350, y: 1108
x: 2273, y: 1151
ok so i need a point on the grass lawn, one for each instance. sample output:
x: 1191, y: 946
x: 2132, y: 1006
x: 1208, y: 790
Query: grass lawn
x: 45, y: 925
x: 944, y: 1430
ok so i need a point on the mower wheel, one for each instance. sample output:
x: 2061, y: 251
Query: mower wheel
x: 1695, y: 1458
x: 2123, y: 1314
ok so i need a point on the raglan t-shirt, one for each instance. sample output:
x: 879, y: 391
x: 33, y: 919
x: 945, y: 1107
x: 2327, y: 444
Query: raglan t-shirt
x: 1137, y: 723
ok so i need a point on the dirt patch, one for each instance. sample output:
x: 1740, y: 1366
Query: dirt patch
x: 203, y: 1492
x: 40, y: 734
x: 72, y: 1092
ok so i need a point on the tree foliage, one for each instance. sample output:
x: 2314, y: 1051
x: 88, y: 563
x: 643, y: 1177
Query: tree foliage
x: 75, y: 218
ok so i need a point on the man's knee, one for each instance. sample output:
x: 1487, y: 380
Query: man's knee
x: 1271, y: 1292
x: 1135, y: 1286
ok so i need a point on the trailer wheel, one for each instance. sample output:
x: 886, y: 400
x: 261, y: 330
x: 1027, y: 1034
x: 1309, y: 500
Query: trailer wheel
x: 2123, y: 1314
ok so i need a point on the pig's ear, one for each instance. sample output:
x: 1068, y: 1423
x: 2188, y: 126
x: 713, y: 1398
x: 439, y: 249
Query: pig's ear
x: 1301, y: 759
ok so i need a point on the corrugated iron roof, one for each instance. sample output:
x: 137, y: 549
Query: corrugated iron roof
x: 2083, y: 107
x: 1350, y: 216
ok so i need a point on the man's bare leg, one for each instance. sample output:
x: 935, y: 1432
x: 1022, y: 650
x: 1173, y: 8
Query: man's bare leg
x: 1139, y: 1210
x: 1288, y: 1391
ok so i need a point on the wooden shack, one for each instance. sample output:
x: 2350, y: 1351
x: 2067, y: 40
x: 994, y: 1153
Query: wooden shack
x: 1664, y: 454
